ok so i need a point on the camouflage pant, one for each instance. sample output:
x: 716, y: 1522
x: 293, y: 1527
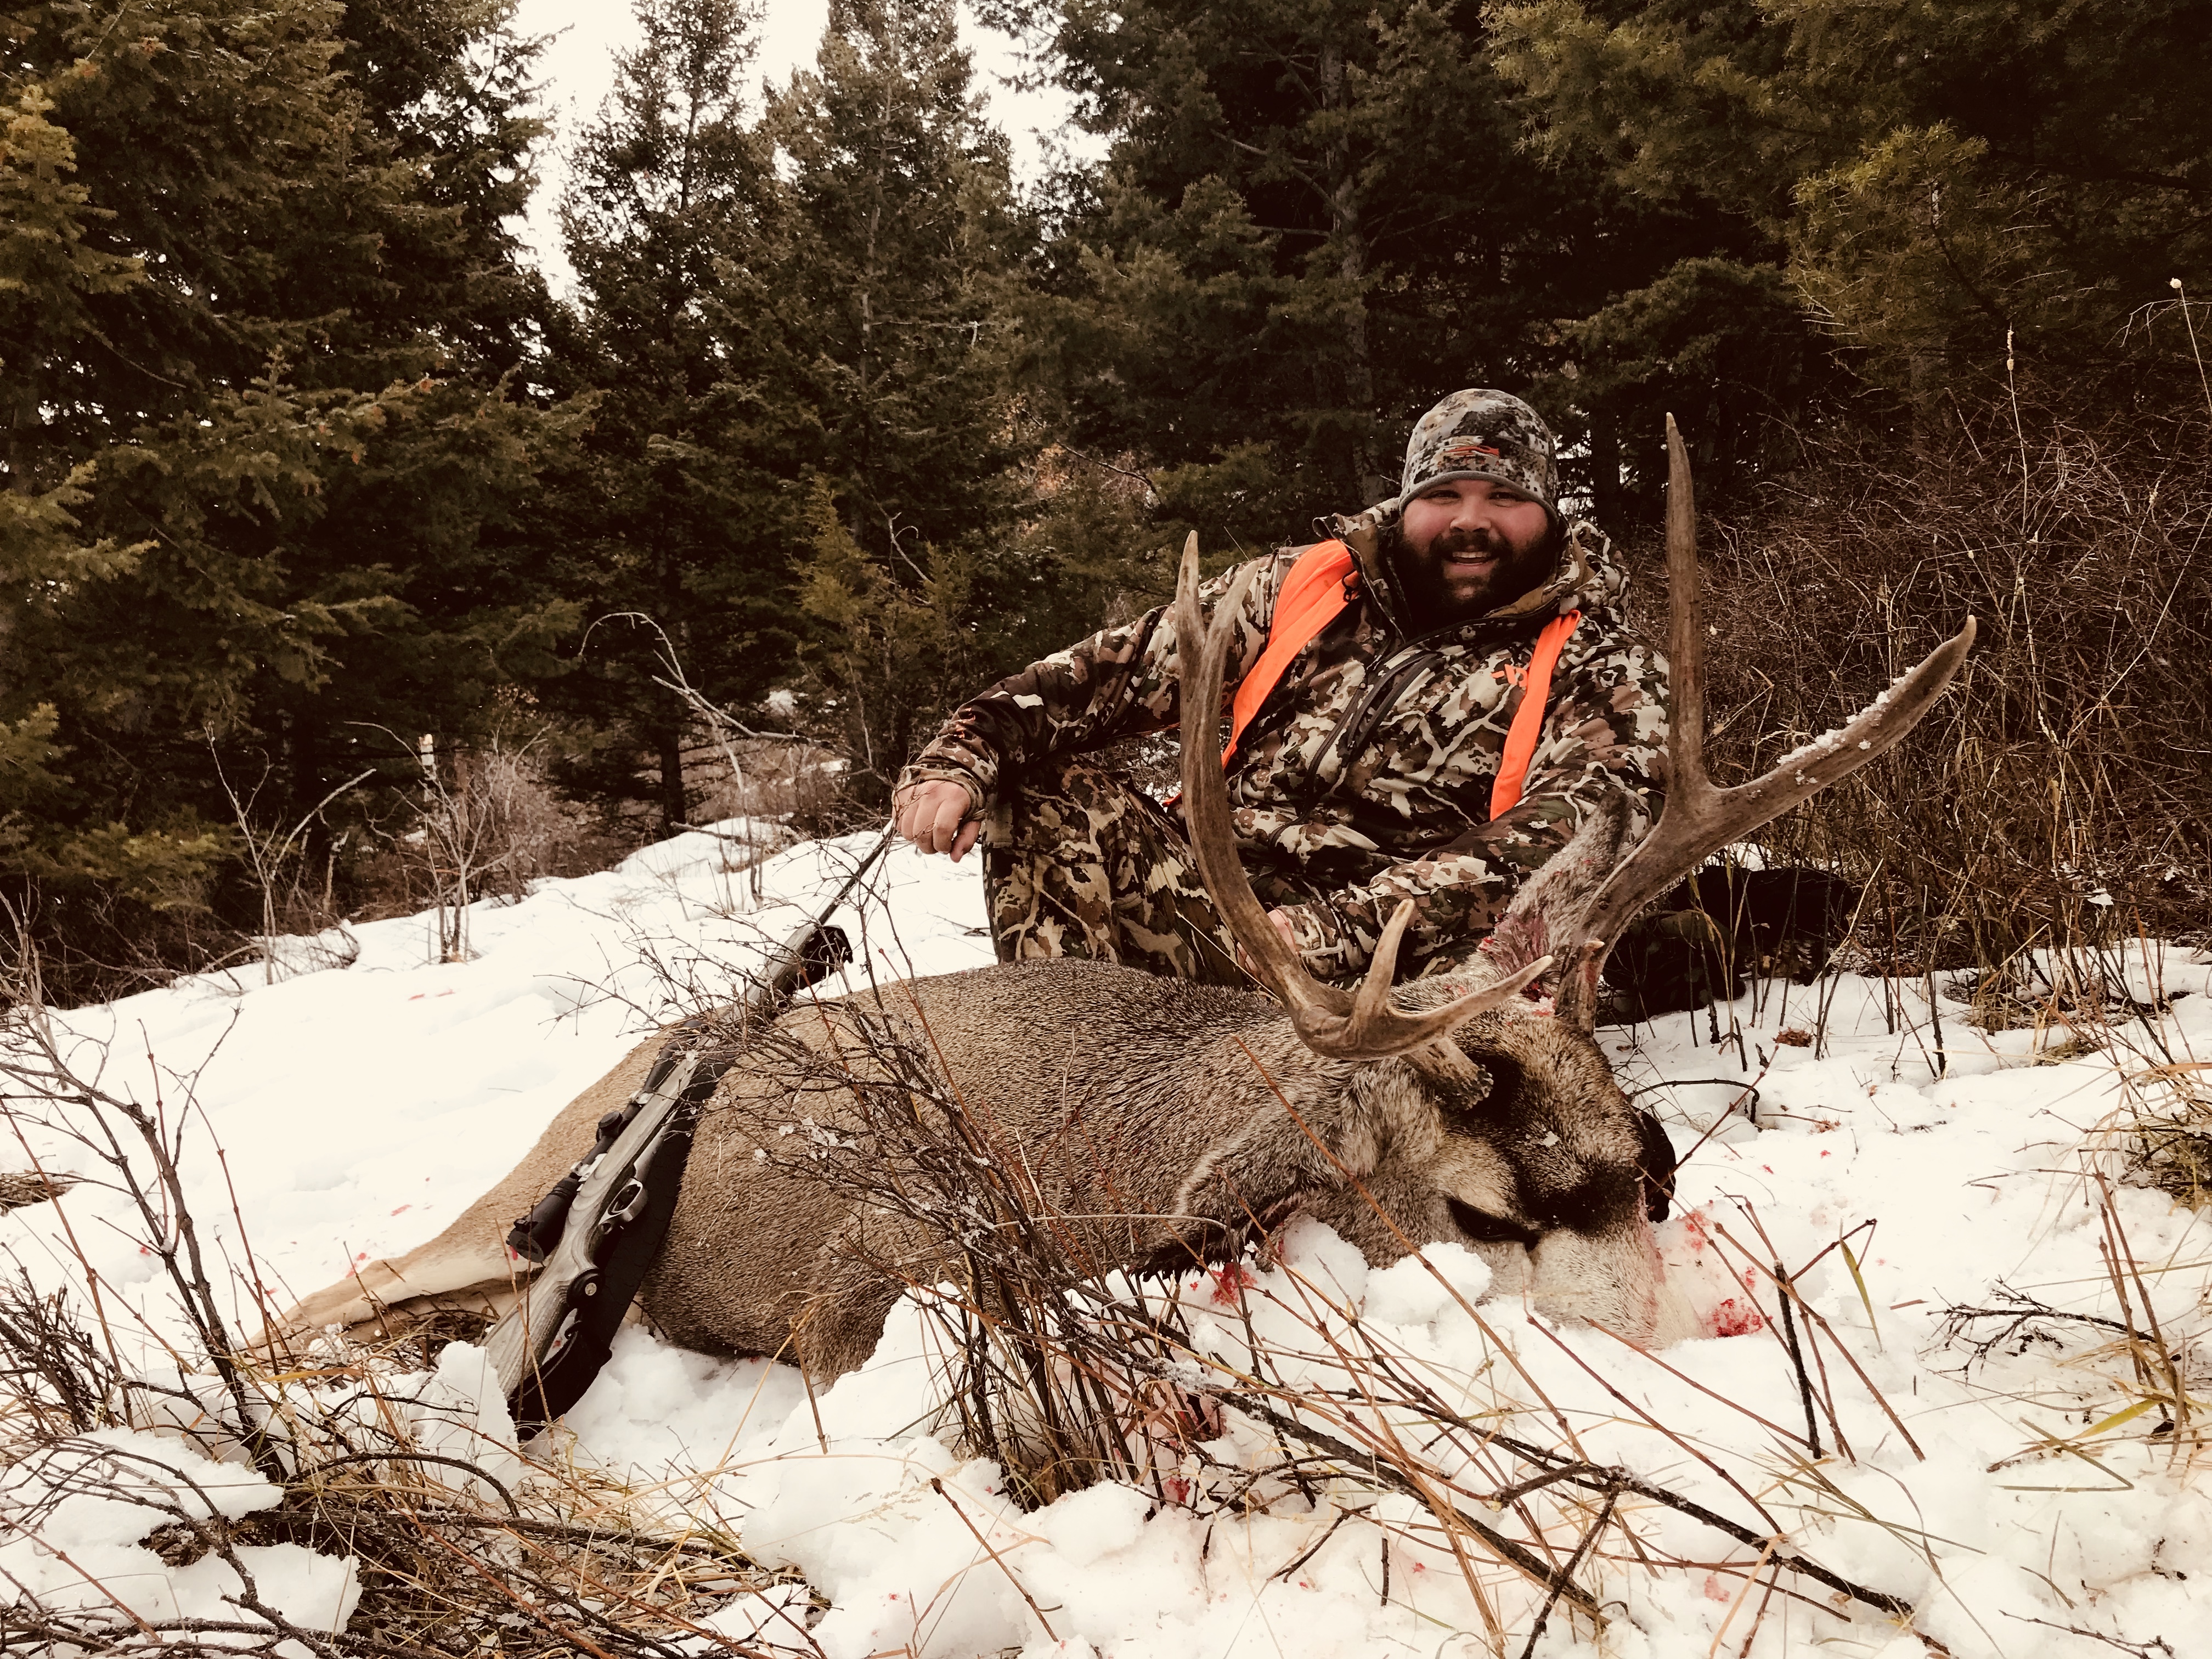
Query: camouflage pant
x: 1081, y: 864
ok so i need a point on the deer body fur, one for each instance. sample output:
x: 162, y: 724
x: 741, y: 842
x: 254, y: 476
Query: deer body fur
x: 1156, y: 1125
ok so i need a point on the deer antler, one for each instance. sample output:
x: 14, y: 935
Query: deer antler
x: 1330, y: 1022
x: 1699, y: 818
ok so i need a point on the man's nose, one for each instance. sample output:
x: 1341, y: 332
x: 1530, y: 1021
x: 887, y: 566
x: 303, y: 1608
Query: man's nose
x: 1476, y: 512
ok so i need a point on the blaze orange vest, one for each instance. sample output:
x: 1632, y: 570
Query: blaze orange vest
x: 1316, y: 592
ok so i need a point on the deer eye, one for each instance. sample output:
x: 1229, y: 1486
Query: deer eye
x: 1486, y: 1229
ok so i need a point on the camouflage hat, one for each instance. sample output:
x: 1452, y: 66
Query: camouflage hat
x: 1480, y: 434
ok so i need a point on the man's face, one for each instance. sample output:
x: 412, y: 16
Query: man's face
x: 1469, y: 546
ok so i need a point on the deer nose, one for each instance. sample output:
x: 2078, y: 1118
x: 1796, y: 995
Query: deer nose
x: 1610, y: 1277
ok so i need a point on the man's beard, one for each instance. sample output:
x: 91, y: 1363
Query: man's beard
x: 1420, y: 583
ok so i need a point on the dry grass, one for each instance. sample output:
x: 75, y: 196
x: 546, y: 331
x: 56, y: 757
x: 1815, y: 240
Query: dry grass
x: 460, y: 1546
x: 2170, y: 1134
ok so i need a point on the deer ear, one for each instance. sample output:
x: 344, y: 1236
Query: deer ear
x: 1545, y: 916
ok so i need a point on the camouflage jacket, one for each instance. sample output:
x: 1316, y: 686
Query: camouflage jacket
x: 1365, y: 778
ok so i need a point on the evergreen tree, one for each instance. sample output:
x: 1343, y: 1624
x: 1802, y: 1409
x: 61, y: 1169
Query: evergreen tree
x: 904, y: 233
x: 679, y: 514
x: 905, y: 237
x: 169, y: 147
x: 251, y: 449
x: 1314, y: 219
x: 450, y: 84
x: 1935, y: 179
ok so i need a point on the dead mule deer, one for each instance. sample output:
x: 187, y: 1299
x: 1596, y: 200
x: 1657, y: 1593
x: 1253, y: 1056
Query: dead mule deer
x: 1154, y: 1121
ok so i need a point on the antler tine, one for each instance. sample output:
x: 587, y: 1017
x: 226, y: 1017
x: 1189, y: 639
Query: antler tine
x: 1376, y: 1027
x: 1327, y: 1020
x: 1699, y: 818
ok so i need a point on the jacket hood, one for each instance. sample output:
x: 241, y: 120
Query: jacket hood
x: 1586, y: 576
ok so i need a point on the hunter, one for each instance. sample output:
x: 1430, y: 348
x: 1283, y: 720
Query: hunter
x: 1429, y: 702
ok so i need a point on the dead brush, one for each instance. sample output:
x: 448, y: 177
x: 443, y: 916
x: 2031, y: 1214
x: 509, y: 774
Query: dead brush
x: 464, y: 824
x: 2169, y: 1133
x: 2061, y: 793
x: 555, y: 1560
x: 772, y: 780
x: 2137, y: 1382
x: 458, y: 1545
x: 454, y: 1550
x: 2128, y: 1352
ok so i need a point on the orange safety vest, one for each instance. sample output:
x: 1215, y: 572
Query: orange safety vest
x: 1316, y: 592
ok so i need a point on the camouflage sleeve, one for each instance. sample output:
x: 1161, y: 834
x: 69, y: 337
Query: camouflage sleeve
x: 1604, y: 734
x: 1120, y: 682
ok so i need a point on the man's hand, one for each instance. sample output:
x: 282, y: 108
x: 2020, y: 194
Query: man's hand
x: 931, y: 814
x: 1284, y: 926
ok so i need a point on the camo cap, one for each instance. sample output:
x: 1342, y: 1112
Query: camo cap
x: 1481, y: 434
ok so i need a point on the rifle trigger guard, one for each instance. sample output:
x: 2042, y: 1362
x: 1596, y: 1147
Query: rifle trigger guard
x: 626, y: 1205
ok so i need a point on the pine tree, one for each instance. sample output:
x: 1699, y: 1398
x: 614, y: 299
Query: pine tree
x: 680, y: 513
x: 1314, y: 219
x: 1935, y: 181
x: 155, y: 154
x: 259, y: 433
x: 904, y: 233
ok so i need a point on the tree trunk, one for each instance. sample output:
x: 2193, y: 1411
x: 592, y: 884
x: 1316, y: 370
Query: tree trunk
x: 1609, y: 502
x: 674, y: 810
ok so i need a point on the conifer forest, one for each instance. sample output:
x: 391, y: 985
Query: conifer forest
x: 324, y: 516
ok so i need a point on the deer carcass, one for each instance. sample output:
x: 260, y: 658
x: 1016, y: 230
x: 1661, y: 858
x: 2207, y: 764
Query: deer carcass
x: 1152, y: 1123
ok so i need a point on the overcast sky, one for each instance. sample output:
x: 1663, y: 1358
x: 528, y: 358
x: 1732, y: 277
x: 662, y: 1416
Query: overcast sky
x: 578, y: 69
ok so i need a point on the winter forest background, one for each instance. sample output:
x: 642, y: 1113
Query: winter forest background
x: 347, y: 569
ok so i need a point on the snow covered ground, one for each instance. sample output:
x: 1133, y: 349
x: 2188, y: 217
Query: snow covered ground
x: 2046, y: 1499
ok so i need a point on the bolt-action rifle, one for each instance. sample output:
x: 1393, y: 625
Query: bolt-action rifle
x: 599, y: 1228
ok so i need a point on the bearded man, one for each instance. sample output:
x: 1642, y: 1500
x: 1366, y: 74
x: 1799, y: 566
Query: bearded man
x: 1430, y: 702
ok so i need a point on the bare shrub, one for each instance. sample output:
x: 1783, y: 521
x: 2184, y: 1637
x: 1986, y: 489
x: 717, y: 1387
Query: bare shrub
x: 2061, y: 793
x: 57, y: 1379
x: 278, y: 861
x: 480, y: 822
x: 792, y: 781
x: 456, y: 1546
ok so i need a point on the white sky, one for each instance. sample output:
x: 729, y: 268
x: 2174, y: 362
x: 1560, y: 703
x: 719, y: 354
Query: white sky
x: 578, y: 71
